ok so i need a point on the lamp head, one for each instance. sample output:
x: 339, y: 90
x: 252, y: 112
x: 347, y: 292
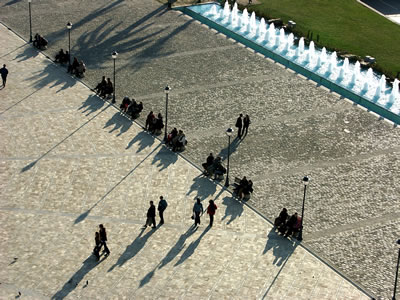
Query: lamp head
x: 166, y: 90
x: 29, y: 1
x: 114, y: 54
x: 69, y: 24
x: 305, y: 180
x: 229, y: 131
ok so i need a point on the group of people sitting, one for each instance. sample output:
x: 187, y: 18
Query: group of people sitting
x: 40, y: 42
x: 77, y: 68
x: 244, y: 188
x: 131, y: 107
x: 288, y: 225
x: 213, y: 167
x: 105, y: 87
x: 154, y: 124
x: 62, y: 57
x: 177, y: 140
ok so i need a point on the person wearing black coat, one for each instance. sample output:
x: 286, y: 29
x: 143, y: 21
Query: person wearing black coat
x: 151, y: 216
x: 103, y: 239
x: 239, y: 125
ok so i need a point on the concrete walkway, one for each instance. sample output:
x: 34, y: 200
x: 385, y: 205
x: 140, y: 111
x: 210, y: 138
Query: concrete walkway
x: 70, y: 161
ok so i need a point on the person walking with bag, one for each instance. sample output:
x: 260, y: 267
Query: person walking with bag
x: 162, y: 205
x: 211, y: 211
x: 103, y: 239
x: 197, y: 211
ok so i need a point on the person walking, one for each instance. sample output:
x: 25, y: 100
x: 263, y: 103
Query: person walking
x: 211, y: 211
x: 103, y: 239
x: 246, y: 124
x: 151, y: 215
x: 4, y: 73
x: 239, y: 125
x: 96, y: 250
x: 162, y: 205
x: 197, y: 211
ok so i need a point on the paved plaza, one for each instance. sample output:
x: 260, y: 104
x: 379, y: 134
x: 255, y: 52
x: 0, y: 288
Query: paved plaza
x: 352, y: 217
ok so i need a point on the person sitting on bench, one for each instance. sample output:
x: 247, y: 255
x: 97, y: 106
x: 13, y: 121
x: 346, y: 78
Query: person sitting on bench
x: 99, y: 89
x: 60, y: 56
x: 208, y: 164
x: 72, y: 68
x: 108, y: 89
x: 171, y: 136
x: 80, y: 69
x: 180, y: 141
x: 125, y: 104
x: 280, y: 221
x: 40, y: 42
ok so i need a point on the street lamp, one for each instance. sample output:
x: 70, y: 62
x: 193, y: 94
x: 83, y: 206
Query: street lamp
x: 305, y: 182
x: 114, y: 56
x: 69, y: 26
x: 229, y: 132
x: 397, y: 273
x: 166, y: 90
x: 30, y: 21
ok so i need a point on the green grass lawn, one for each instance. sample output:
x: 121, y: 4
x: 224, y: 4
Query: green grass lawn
x: 343, y: 25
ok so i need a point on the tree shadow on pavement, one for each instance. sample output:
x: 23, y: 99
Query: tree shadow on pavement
x: 234, y: 209
x: 144, y: 139
x: 89, y: 264
x: 133, y: 249
x: 172, y: 253
x: 204, y: 187
x: 164, y: 158
x: 91, y: 104
x: 120, y: 122
x: 281, y: 247
x: 191, y: 248
x: 50, y: 75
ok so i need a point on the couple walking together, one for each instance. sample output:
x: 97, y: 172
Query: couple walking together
x: 198, y: 211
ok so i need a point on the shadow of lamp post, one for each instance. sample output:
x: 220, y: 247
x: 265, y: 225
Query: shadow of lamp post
x: 114, y: 55
x: 397, y: 273
x: 229, y: 132
x: 305, y: 181
x: 30, y: 21
x: 166, y: 90
x: 69, y: 26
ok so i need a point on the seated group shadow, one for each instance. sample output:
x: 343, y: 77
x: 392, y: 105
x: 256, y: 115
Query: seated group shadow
x: 164, y: 157
x: 204, y: 187
x: 282, y: 248
x: 234, y: 208
x: 119, y: 122
x: 89, y: 264
x: 133, y: 249
x: 91, y: 104
x: 47, y: 76
x: 144, y: 139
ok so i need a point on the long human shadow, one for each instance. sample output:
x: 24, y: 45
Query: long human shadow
x: 172, y: 253
x: 133, y: 249
x: 144, y: 139
x: 119, y: 122
x: 47, y: 77
x: 84, y: 215
x: 91, y: 105
x: 203, y: 187
x: 234, y: 209
x: 89, y: 264
x: 232, y: 149
x: 164, y: 158
x: 191, y: 248
x: 11, y: 2
x: 32, y: 164
x: 282, y: 249
x: 28, y: 53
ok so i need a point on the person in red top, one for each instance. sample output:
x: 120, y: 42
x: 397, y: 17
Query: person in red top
x: 211, y: 211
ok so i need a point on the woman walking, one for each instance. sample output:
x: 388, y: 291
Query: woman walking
x: 211, y: 211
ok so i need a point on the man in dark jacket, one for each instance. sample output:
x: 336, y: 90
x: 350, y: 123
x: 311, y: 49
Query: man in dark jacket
x: 239, y: 125
x: 151, y: 216
x: 103, y: 239
x: 4, y: 73
x: 162, y: 205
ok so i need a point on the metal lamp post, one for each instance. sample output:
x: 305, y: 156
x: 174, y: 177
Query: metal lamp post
x: 229, y: 132
x: 30, y: 21
x: 305, y: 181
x: 397, y: 274
x: 69, y: 26
x: 166, y: 90
x: 114, y: 56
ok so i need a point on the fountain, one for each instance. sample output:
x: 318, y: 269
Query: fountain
x: 339, y: 74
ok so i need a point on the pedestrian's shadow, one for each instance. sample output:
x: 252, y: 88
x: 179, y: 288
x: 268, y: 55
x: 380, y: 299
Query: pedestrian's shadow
x: 191, y: 248
x: 133, y: 249
x: 164, y: 158
x: 234, y: 209
x: 233, y: 147
x: 144, y: 139
x: 89, y: 264
x: 119, y: 122
x: 204, y: 187
x: 281, y: 247
x: 172, y: 253
x: 91, y: 104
